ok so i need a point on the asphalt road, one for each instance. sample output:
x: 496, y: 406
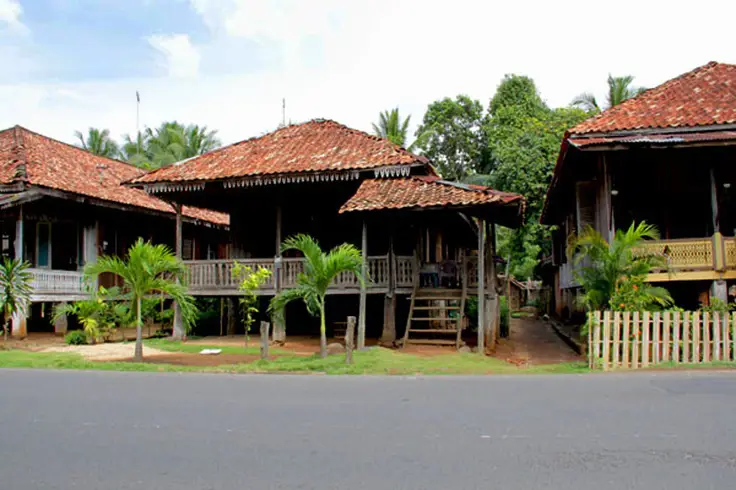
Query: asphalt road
x: 87, y: 430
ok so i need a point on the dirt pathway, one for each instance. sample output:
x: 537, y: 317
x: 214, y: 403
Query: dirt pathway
x: 534, y: 342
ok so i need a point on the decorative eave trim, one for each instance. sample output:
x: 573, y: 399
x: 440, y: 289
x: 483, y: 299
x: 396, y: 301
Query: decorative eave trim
x: 173, y: 187
x: 291, y: 179
x: 393, y: 171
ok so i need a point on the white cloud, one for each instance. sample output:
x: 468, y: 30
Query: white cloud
x: 10, y: 13
x: 181, y: 58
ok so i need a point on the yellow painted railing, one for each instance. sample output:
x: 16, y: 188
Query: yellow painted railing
x: 683, y: 254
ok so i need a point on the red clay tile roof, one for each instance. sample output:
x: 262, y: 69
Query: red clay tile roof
x: 655, y: 139
x: 425, y: 192
x: 314, y: 146
x: 705, y: 96
x: 38, y: 160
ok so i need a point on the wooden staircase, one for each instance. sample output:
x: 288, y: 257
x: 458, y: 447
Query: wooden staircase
x: 435, y: 317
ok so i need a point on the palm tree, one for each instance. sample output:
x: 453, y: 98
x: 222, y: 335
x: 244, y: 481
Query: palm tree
x: 15, y: 289
x: 98, y: 142
x: 608, y: 270
x: 619, y: 90
x: 147, y: 270
x: 170, y: 142
x: 392, y: 128
x: 319, y: 270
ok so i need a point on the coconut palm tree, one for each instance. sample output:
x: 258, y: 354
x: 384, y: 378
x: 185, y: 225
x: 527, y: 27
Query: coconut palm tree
x: 147, y: 270
x: 619, y: 90
x: 15, y: 289
x: 617, y: 269
x: 98, y: 142
x: 170, y: 142
x: 319, y: 270
x: 391, y: 127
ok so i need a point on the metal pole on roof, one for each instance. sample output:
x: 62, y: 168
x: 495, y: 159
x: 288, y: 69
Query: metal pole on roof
x: 138, y: 120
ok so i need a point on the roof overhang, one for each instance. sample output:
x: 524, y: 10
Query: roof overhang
x: 431, y: 194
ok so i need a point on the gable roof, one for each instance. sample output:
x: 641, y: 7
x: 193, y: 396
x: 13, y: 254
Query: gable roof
x: 28, y: 158
x: 426, y: 191
x: 311, y: 147
x: 705, y: 96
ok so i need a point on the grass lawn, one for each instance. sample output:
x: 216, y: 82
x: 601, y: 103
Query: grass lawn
x: 373, y: 361
x: 194, y: 348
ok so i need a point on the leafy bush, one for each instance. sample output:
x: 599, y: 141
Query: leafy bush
x: 504, y: 307
x: 76, y: 337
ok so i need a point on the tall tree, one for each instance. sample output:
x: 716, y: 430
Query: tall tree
x: 451, y: 135
x: 99, y: 142
x: 619, y: 90
x: 15, y: 289
x: 391, y: 127
x: 320, y: 269
x: 146, y: 271
x: 523, y: 142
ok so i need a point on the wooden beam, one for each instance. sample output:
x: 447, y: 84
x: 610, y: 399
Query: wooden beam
x: 19, y: 234
x: 388, y: 336
x: 178, y: 333
x: 363, y: 288
x: 481, y: 286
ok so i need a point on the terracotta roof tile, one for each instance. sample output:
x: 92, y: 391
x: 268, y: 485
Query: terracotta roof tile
x: 314, y: 146
x: 703, y: 97
x: 423, y: 192
x: 45, y: 162
x: 655, y: 139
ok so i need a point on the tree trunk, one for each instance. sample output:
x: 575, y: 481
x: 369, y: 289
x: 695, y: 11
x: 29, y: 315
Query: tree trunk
x: 322, y: 332
x: 5, y: 331
x: 138, y: 356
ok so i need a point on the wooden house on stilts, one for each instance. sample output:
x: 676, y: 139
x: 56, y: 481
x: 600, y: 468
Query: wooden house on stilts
x: 427, y: 243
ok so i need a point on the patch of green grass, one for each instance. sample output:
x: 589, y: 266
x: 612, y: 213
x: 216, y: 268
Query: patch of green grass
x: 373, y: 361
x: 192, y: 348
x: 705, y: 365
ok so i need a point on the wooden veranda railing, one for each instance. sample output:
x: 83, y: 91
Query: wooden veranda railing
x: 631, y: 340
x: 48, y: 282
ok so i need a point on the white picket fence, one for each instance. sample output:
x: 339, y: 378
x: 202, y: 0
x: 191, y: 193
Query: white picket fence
x: 631, y: 340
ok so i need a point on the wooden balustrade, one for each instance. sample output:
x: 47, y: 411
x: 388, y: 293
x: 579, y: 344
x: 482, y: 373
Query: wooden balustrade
x: 55, y: 282
x: 682, y: 254
x: 205, y: 275
x: 404, y: 271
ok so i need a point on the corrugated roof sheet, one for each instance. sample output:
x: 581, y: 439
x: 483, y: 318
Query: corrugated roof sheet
x: 314, y: 146
x: 705, y: 96
x: 38, y: 160
x: 655, y: 139
x: 423, y: 192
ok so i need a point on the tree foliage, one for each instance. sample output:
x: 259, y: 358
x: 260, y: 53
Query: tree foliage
x: 612, y: 275
x: 451, y: 136
x: 619, y: 90
x: 170, y: 142
x: 147, y: 270
x: 391, y: 127
x: 99, y: 142
x: 15, y: 289
x: 320, y: 269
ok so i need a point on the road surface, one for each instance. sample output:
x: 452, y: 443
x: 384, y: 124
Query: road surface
x: 100, y: 430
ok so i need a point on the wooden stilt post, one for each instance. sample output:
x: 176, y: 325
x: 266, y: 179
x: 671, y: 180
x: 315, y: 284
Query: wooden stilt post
x: 18, y: 321
x: 231, y: 316
x: 222, y: 315
x: 494, y: 309
x: 279, y: 323
x: 349, y: 340
x: 363, y: 288
x: 264, y: 340
x: 481, y: 286
x: 179, y: 333
x: 388, y: 336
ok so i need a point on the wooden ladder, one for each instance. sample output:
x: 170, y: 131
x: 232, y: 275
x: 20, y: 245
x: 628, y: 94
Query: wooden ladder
x: 430, y: 306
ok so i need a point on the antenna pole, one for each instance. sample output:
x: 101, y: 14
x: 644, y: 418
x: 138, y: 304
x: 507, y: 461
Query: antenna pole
x: 283, y: 112
x: 138, y: 120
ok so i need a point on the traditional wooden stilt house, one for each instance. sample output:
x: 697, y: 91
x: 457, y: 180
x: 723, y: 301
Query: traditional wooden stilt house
x: 61, y: 207
x: 664, y: 157
x: 426, y: 242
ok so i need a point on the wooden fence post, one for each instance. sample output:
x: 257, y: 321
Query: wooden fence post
x: 696, y: 338
x: 349, y: 340
x: 595, y: 352
x: 645, y: 345
x: 616, y: 360
x: 666, y: 337
x: 606, y: 339
x: 716, y: 337
x: 656, y: 329
x: 706, y: 336
x: 676, y: 327
x: 264, y: 340
x: 636, y: 333
x: 626, y: 360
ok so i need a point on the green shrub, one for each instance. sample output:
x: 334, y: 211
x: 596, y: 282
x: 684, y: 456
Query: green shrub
x: 504, y: 308
x: 76, y: 337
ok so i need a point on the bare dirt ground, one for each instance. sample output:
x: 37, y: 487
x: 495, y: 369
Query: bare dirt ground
x: 106, y: 352
x: 532, y: 342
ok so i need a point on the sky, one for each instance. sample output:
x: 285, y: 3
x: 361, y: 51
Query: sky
x: 227, y: 64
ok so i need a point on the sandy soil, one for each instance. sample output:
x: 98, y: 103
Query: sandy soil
x: 105, y: 352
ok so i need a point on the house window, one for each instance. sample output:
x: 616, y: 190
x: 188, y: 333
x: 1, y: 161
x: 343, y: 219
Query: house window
x: 187, y: 252
x: 43, y: 245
